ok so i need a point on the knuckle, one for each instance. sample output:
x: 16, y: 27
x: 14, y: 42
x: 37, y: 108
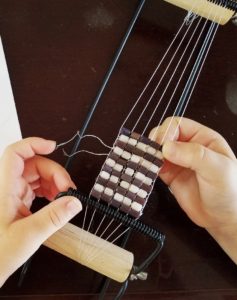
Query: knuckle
x: 169, y: 129
x: 199, y: 153
x: 214, y: 134
x: 173, y: 120
x: 9, y: 149
x: 55, y: 218
x: 216, y: 138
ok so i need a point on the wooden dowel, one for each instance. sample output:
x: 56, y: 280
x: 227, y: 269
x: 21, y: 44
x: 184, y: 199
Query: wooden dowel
x: 92, y: 252
x: 206, y: 9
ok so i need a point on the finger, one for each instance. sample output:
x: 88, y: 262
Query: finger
x: 47, y: 191
x: 169, y: 172
x: 12, y: 161
x: 30, y: 232
x: 35, y: 184
x: 26, y: 195
x: 196, y: 157
x: 16, y: 200
x: 31, y: 146
x: 195, y: 132
x: 54, y: 216
x: 13, y: 208
x: 51, y: 175
x: 165, y: 132
x: 189, y: 130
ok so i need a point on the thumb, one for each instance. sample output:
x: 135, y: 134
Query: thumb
x: 26, y: 235
x: 196, y: 157
x: 39, y: 226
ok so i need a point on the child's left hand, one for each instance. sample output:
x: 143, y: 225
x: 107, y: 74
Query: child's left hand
x: 23, y: 176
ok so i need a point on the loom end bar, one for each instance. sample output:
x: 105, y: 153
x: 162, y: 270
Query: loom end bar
x: 206, y: 9
x: 106, y: 258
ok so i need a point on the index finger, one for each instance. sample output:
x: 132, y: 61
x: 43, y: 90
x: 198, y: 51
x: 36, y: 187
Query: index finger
x: 52, y: 177
x: 12, y: 160
x: 192, y: 131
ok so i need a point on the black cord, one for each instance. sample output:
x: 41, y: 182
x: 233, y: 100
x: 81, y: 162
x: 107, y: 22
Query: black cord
x: 103, y: 290
x: 105, y: 81
x: 150, y: 259
x: 141, y: 268
x: 94, y: 105
x: 121, y: 291
x: 108, y: 280
x: 24, y: 271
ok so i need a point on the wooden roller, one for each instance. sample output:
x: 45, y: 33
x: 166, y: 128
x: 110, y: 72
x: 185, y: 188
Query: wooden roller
x: 92, y: 252
x: 207, y: 9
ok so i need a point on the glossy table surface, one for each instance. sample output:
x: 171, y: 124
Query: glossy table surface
x: 57, y: 54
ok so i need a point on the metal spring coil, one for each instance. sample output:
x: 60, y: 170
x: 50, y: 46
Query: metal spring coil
x: 230, y: 4
x: 117, y: 215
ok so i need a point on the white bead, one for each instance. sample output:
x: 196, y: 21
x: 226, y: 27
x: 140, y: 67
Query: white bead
x: 118, y: 167
x: 98, y: 187
x: 133, y: 188
x: 104, y: 175
x: 114, y: 179
x: 135, y: 158
x: 154, y: 169
x: 132, y: 142
x: 151, y: 150
x: 141, y: 193
x: 110, y: 162
x: 118, y: 151
x: 129, y: 171
x: 141, y: 146
x: 136, y: 206
x: 147, y: 164
x: 148, y: 181
x: 159, y: 155
x: 108, y: 191
x: 124, y: 184
x: 139, y: 176
x: 127, y: 201
x: 126, y: 155
x: 123, y: 138
x: 118, y: 197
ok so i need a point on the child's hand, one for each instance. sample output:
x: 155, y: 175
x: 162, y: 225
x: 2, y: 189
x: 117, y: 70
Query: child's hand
x: 24, y: 175
x: 201, y: 171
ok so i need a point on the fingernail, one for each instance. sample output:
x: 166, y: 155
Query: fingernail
x: 169, y: 149
x: 73, y: 185
x: 53, y: 143
x: 153, y: 134
x: 74, y: 206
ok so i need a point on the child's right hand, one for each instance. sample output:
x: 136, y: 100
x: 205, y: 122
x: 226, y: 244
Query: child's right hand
x: 201, y: 171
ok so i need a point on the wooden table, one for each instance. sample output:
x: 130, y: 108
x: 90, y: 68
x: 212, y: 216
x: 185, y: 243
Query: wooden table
x: 57, y: 54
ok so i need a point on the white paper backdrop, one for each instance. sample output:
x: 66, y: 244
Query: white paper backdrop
x: 9, y: 124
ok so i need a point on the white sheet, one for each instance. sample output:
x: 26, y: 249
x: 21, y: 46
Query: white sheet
x: 9, y: 124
